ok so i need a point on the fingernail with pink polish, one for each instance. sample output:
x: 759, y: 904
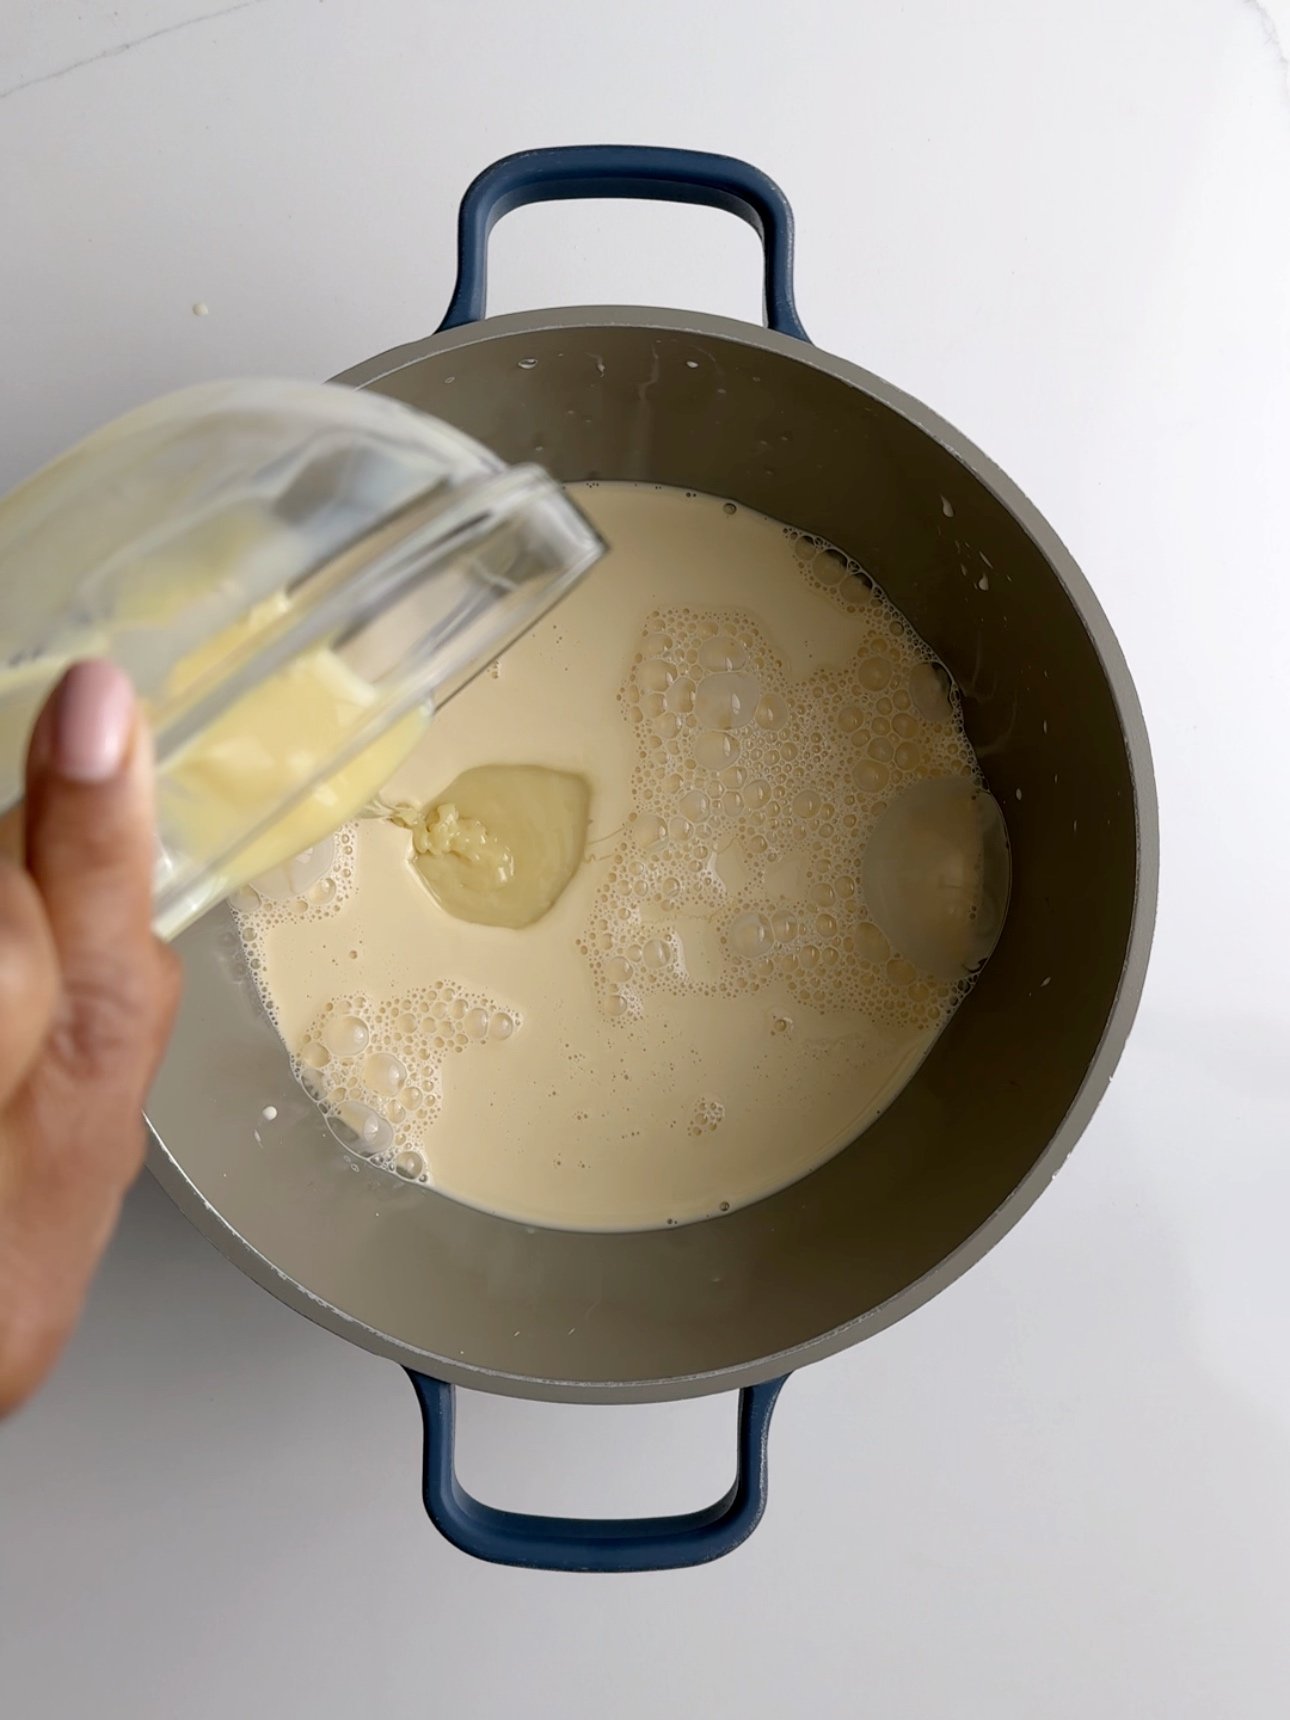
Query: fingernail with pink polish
x: 93, y: 721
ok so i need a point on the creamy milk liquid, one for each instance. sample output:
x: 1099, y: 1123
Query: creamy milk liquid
x: 736, y: 979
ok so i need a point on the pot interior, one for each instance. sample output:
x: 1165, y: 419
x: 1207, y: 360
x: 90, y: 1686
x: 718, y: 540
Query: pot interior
x: 719, y: 408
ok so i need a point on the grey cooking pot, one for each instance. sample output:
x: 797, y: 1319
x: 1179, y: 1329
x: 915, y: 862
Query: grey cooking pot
x: 463, y: 1298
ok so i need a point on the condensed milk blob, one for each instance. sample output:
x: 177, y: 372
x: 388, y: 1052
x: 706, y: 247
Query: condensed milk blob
x: 501, y: 843
x: 763, y: 870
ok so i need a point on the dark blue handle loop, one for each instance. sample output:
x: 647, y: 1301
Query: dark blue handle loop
x: 624, y: 170
x: 585, y: 1544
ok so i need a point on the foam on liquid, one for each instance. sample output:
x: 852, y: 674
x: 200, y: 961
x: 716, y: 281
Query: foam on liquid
x: 791, y: 871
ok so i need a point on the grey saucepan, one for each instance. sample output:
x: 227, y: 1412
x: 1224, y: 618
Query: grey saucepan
x: 462, y: 1298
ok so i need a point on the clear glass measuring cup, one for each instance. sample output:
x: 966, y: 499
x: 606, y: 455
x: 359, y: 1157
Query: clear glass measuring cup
x: 294, y: 575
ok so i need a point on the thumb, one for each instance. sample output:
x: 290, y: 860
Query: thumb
x: 90, y: 850
x: 29, y: 985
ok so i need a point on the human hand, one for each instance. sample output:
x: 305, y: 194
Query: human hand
x: 87, y: 998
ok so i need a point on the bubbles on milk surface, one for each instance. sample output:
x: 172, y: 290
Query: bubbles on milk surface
x: 376, y: 1065
x: 754, y: 799
x: 314, y: 884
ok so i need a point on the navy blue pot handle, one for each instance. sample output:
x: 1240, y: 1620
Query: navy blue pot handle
x: 587, y: 1544
x: 624, y: 170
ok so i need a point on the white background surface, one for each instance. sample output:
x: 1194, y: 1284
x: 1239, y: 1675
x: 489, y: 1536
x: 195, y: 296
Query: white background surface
x: 1062, y: 1490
